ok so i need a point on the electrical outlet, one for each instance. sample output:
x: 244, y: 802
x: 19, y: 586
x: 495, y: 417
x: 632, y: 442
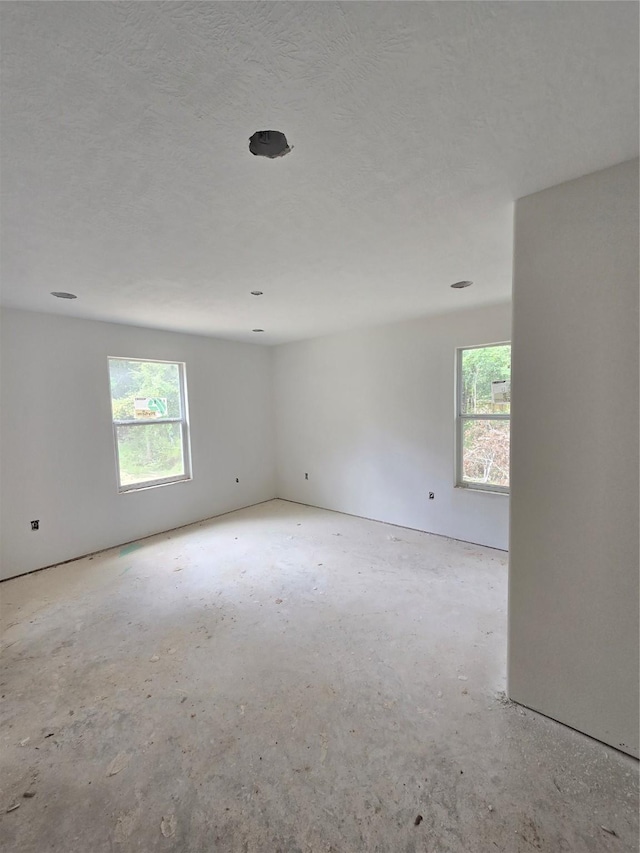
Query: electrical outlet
x: 306, y: 476
x: 35, y: 525
x: 432, y: 496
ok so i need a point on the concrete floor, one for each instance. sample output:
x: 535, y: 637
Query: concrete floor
x: 286, y: 679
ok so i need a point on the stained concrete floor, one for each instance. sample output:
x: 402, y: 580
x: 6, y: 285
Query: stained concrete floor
x: 286, y: 679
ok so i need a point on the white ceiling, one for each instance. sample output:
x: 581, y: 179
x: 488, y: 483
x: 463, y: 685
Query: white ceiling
x: 127, y: 179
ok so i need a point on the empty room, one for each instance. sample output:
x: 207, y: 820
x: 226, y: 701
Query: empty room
x: 319, y: 427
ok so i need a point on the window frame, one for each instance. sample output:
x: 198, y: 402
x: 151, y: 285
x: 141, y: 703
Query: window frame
x: 461, y: 417
x: 183, y: 420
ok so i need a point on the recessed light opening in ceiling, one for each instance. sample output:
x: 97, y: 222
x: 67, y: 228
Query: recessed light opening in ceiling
x: 269, y: 143
x: 256, y: 293
x: 257, y: 330
x: 61, y: 294
x: 458, y: 285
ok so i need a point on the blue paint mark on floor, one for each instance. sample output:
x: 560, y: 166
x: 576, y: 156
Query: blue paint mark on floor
x: 129, y: 548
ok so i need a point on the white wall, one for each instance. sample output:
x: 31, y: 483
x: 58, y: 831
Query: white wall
x: 573, y: 636
x: 57, y: 455
x: 370, y: 416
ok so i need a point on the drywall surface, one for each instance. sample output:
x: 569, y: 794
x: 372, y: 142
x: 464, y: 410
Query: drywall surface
x: 573, y: 636
x: 57, y: 454
x: 370, y: 417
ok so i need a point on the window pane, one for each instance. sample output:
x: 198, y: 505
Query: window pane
x: 149, y: 452
x: 485, y: 452
x: 480, y: 368
x: 144, y: 389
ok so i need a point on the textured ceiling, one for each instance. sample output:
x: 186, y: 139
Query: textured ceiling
x: 126, y: 175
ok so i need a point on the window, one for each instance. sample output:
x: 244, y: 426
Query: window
x: 483, y: 417
x: 150, y: 423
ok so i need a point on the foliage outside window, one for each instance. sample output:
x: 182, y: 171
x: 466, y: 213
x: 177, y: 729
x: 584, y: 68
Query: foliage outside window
x: 150, y: 425
x: 483, y: 417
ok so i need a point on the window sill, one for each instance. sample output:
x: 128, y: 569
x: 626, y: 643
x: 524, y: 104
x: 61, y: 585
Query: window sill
x: 481, y: 490
x: 144, y: 487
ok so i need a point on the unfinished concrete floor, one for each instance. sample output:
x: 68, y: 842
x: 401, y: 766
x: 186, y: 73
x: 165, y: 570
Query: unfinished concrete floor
x: 286, y: 679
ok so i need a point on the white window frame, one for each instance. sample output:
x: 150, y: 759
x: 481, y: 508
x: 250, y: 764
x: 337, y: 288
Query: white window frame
x: 461, y: 417
x: 183, y: 421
